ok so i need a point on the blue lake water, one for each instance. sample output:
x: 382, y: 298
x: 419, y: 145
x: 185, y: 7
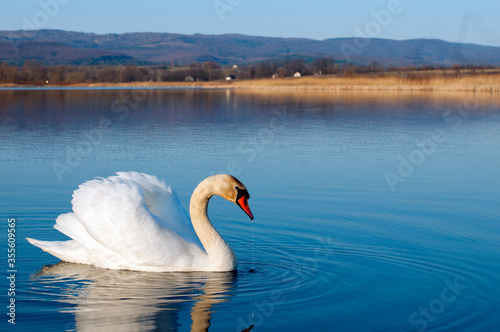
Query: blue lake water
x: 372, y: 212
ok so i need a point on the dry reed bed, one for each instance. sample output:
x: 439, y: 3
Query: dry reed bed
x: 479, y: 83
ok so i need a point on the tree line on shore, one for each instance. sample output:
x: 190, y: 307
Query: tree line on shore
x: 34, y: 72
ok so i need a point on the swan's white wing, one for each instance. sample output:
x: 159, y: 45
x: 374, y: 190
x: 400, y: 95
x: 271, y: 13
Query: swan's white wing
x: 115, y: 215
x: 163, y: 202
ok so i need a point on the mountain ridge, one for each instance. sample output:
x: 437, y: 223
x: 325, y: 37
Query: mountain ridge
x: 227, y: 49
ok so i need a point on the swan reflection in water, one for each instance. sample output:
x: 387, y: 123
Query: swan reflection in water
x: 118, y: 300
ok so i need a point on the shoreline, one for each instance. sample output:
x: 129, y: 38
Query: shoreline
x: 475, y: 83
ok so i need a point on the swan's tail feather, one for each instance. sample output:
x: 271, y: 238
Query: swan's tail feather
x: 68, y: 251
x: 44, y: 245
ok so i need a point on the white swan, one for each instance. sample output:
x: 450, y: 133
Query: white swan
x: 134, y: 221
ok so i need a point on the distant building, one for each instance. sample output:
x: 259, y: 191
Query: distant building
x: 235, y: 66
x: 190, y: 79
x: 275, y: 75
x: 297, y: 74
x: 230, y: 77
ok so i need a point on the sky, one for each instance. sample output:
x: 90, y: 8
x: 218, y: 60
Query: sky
x: 473, y: 21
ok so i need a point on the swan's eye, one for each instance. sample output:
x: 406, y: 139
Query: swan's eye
x: 237, y: 188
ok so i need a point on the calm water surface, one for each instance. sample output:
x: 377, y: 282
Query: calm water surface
x: 372, y: 213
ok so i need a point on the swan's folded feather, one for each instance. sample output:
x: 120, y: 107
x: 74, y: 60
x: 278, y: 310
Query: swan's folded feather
x: 95, y: 253
x: 70, y: 226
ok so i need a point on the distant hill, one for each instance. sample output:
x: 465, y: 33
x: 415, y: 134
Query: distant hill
x: 54, y: 53
x: 65, y: 47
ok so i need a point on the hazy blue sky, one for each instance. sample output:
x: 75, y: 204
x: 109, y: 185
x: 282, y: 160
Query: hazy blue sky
x: 453, y: 20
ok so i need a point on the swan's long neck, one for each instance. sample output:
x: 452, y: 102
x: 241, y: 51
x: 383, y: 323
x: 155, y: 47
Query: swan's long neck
x: 219, y: 252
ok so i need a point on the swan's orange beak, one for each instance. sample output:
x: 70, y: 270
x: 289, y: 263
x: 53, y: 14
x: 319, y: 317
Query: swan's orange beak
x: 243, y: 204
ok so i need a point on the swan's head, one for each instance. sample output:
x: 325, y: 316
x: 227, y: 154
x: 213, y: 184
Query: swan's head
x: 234, y: 191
